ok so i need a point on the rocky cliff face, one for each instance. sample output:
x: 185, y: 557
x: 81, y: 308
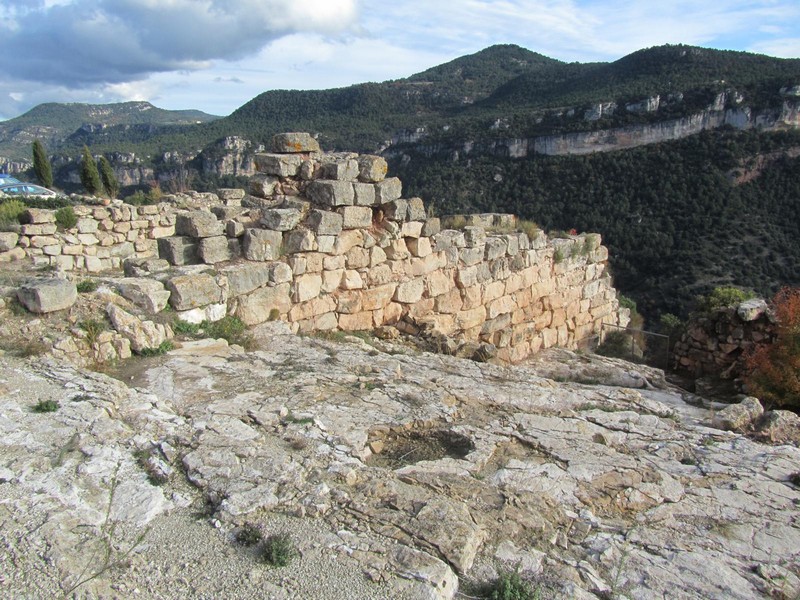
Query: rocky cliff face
x: 604, y: 140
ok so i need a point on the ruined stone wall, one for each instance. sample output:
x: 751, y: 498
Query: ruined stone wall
x: 327, y: 242
x: 715, y: 344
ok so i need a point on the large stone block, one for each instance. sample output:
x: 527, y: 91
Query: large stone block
x: 409, y: 292
x: 306, y: 287
x: 264, y: 304
x: 194, y: 291
x: 198, y: 224
x: 331, y: 193
x: 340, y: 170
x: 47, y: 295
x: 396, y: 210
x: 262, y: 244
x: 246, y: 277
x: 356, y: 217
x: 178, y: 250
x: 364, y: 194
x: 300, y: 240
x: 388, y: 190
x: 281, y: 219
x: 280, y: 165
x: 294, y: 142
x: 416, y: 209
x: 147, y: 294
x: 372, y: 169
x: 8, y: 240
x: 325, y: 222
x: 38, y: 215
x: 213, y: 250
x: 230, y: 196
x: 143, y: 335
x: 449, y: 238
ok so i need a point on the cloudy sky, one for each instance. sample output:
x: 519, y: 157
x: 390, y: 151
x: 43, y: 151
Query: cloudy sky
x: 215, y: 55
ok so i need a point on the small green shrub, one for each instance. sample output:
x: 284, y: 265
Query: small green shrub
x: 46, y: 406
x: 66, y: 217
x: 274, y: 315
x: 229, y: 328
x: 161, y: 349
x: 248, y: 535
x: 723, y: 297
x: 93, y: 329
x: 559, y: 255
x: 617, y: 344
x: 529, y: 228
x: 279, y: 550
x: 10, y: 213
x: 181, y: 327
x: 510, y: 586
x: 86, y: 286
x: 625, y: 302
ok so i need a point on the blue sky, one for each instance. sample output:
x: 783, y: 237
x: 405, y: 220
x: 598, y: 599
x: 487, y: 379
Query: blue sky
x: 215, y: 55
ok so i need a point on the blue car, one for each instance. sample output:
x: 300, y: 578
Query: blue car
x: 5, y: 178
x: 26, y: 189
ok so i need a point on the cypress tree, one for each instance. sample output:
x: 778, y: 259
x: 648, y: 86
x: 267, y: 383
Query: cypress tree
x: 41, y: 165
x: 108, y: 178
x: 90, y: 178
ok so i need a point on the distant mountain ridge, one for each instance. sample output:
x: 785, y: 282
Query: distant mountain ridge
x: 53, y: 123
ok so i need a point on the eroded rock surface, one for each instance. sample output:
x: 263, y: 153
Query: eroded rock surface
x: 420, y: 472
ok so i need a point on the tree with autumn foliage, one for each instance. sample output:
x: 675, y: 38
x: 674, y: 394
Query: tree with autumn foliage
x: 773, y: 370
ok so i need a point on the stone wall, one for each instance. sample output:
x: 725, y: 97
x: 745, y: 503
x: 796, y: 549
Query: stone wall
x: 327, y: 242
x: 715, y: 344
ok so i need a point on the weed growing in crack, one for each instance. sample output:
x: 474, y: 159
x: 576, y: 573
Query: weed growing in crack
x: 510, y: 586
x: 279, y: 550
x: 248, y: 535
x: 46, y: 406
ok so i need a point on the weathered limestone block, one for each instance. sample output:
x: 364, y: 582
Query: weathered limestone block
x: 473, y: 275
x: 331, y: 193
x: 226, y: 213
x: 86, y: 225
x: 504, y: 305
x: 281, y: 219
x: 35, y: 216
x: 306, y: 287
x: 262, y: 244
x: 144, y: 267
x: 388, y: 190
x: 739, y: 417
x: 438, y: 283
x: 379, y: 297
x: 431, y: 227
x: 294, y: 142
x: 372, y: 169
x: 280, y: 273
x: 178, y: 250
x: 433, y: 579
x: 377, y: 256
x: 280, y: 165
x: 396, y: 210
x: 449, y: 302
x: 364, y: 194
x: 448, y: 238
x: 300, y: 240
x: 194, y: 291
x: 198, y: 224
x: 474, y: 237
x: 419, y: 247
x: 411, y: 229
x: 340, y: 170
x: 356, y: 217
x: 780, y: 427
x: 148, y: 294
x: 347, y: 240
x: 357, y: 258
x: 40, y: 241
x: 311, y: 309
x: 475, y: 317
x: 263, y: 304
x: 325, y: 222
x: 143, y: 335
x: 348, y: 302
x: 230, y: 196
x: 39, y: 229
x: 496, y: 247
x: 409, y: 292
x: 47, y: 295
x: 356, y: 322
x: 212, y: 250
x: 416, y: 210
x: 750, y: 310
x: 246, y: 277
x: 397, y: 250
x: 8, y: 240
x: 470, y: 256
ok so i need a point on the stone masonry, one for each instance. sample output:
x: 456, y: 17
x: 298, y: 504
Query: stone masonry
x: 325, y: 241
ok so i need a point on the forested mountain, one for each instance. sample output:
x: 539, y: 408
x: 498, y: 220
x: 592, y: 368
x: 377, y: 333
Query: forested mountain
x: 701, y: 188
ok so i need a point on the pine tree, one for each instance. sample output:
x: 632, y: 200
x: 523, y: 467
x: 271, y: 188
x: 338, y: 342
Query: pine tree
x: 41, y: 165
x: 90, y: 178
x: 108, y: 178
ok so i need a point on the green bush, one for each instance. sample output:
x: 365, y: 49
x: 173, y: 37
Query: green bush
x: 229, y: 328
x: 86, y: 286
x: 723, y: 297
x: 617, y: 344
x: 625, y: 302
x: 66, y: 217
x: 279, y: 550
x: 161, y: 349
x: 93, y: 329
x: 510, y: 586
x: 46, y: 406
x: 10, y: 214
x: 182, y: 327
